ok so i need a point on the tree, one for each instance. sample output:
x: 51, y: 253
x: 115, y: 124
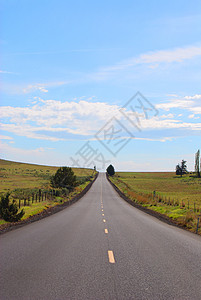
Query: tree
x: 9, y: 212
x: 178, y: 169
x: 63, y: 178
x: 110, y: 170
x: 181, y: 168
x: 197, y: 163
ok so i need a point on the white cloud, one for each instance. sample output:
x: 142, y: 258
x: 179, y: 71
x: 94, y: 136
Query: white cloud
x: 164, y: 139
x: 190, y: 103
x: 172, y: 95
x: 34, y: 131
x: 55, y: 120
x: 193, y: 97
x: 196, y: 110
x: 176, y: 103
x: 7, y: 148
x: 169, y: 56
x: 157, y: 123
x: 152, y: 60
x: 6, y: 72
x: 168, y: 116
x: 192, y: 116
x: 38, y: 155
x: 32, y: 88
x: 155, y: 58
x: 5, y: 137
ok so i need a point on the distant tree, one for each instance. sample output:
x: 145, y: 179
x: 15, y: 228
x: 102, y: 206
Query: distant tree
x: 178, y: 169
x: 63, y: 178
x: 197, y: 163
x: 184, y: 166
x: 9, y: 212
x: 181, y: 168
x: 110, y: 170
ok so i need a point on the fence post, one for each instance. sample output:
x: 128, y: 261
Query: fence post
x: 39, y: 194
x: 19, y: 203
x: 197, y: 225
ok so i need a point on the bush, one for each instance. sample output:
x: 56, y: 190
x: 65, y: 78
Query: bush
x: 83, y: 179
x: 64, y: 178
x: 64, y: 192
x: 9, y: 212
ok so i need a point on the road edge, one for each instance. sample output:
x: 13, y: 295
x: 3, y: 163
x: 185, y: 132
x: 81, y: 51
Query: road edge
x: 49, y: 211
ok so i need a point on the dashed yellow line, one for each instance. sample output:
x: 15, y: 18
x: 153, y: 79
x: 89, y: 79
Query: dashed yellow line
x: 111, y: 256
x: 104, y: 220
x: 103, y: 215
x: 106, y: 230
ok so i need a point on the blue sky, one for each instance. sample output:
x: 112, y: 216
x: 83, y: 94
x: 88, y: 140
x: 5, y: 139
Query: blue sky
x: 69, y: 67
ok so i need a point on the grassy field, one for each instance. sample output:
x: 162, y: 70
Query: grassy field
x: 17, y: 176
x: 21, y: 175
x: 175, y: 196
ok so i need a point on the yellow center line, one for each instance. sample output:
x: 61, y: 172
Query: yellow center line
x: 104, y: 220
x: 111, y: 257
x: 102, y: 209
x: 103, y: 215
x: 106, y: 231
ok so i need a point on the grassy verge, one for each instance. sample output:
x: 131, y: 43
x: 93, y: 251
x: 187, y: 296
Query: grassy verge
x: 179, y: 198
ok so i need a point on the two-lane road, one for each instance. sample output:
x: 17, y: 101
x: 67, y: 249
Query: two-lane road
x: 100, y: 248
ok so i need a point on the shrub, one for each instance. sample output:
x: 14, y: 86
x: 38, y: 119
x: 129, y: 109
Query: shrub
x: 64, y: 178
x: 65, y: 191
x: 9, y: 212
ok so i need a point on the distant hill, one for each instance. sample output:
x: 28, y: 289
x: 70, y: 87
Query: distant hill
x: 25, y: 175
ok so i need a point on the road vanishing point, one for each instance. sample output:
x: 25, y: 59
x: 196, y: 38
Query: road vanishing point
x: 100, y: 248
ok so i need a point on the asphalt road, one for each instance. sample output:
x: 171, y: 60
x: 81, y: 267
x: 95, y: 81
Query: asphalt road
x: 65, y: 256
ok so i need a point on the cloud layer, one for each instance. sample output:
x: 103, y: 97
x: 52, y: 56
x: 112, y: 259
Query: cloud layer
x: 55, y: 120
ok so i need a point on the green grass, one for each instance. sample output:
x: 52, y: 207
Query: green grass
x: 177, y: 197
x: 14, y: 175
x: 21, y: 175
